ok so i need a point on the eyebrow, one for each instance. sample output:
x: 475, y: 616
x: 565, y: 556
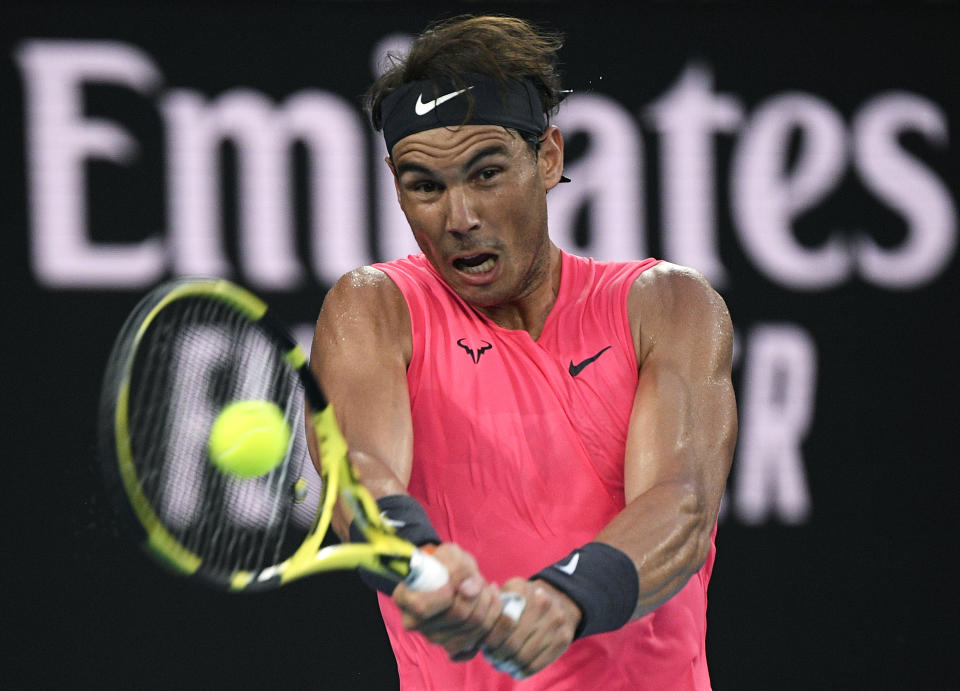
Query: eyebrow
x: 483, y: 153
x: 496, y: 149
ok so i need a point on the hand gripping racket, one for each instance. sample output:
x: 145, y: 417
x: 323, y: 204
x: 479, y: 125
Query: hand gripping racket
x: 189, y: 349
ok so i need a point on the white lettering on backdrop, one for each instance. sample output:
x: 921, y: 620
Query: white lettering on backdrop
x: 790, y: 154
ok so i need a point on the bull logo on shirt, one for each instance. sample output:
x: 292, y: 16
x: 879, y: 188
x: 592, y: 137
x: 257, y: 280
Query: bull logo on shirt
x: 475, y: 353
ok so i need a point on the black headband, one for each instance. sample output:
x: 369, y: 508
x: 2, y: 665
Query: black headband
x: 428, y: 104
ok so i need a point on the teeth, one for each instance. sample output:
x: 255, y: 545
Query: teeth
x: 479, y: 268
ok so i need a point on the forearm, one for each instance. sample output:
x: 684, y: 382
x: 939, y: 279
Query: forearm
x: 643, y: 557
x: 676, y: 471
x: 666, y: 532
x: 680, y: 441
x: 377, y: 477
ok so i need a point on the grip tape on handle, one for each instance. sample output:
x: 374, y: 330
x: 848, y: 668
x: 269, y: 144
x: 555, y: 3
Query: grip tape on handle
x: 513, y: 606
x: 426, y: 573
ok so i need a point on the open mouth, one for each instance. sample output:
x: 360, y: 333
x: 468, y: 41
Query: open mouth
x: 475, y: 264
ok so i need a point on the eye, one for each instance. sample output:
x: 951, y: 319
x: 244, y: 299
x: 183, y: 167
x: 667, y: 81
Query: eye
x: 488, y: 173
x: 425, y: 186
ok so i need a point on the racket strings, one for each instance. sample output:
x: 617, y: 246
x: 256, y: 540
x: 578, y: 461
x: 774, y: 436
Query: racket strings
x: 282, y: 511
x: 196, y: 357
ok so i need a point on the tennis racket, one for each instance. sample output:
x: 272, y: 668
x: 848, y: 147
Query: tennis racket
x: 189, y: 349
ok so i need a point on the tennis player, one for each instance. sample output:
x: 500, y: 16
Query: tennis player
x: 560, y: 428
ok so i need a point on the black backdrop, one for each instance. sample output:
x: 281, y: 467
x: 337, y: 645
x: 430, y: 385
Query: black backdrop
x: 834, y: 578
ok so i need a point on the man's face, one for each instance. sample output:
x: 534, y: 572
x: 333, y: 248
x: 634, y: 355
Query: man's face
x: 475, y: 198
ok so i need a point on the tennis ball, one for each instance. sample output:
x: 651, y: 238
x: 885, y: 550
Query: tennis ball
x: 249, y: 438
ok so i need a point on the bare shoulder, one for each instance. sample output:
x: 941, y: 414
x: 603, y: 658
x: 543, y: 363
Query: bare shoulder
x: 365, y: 292
x: 364, y: 308
x: 364, y: 284
x: 674, y: 307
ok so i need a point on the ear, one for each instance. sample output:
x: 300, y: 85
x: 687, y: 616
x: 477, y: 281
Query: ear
x: 550, y: 157
x: 396, y: 180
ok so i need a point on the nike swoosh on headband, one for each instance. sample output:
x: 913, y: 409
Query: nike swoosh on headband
x: 422, y: 108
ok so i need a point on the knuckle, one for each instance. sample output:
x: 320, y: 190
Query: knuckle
x: 417, y: 610
x: 472, y: 613
x: 541, y: 600
x: 461, y: 612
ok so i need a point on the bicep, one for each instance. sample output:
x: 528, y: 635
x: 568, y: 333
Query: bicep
x: 684, y: 423
x: 360, y: 352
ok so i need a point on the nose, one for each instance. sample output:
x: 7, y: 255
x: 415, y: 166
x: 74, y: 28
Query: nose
x: 461, y: 211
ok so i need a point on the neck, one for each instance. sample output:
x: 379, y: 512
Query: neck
x: 530, y: 310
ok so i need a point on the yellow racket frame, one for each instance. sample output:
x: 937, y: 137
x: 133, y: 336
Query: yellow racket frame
x: 383, y: 552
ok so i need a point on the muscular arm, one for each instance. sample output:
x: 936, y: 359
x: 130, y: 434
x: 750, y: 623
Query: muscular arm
x: 679, y: 448
x: 361, y: 349
x: 682, y: 431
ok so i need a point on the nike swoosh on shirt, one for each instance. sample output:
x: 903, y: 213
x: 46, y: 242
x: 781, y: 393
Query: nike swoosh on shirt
x: 570, y: 566
x: 576, y: 369
x: 422, y: 108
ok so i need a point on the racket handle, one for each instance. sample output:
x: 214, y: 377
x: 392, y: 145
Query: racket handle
x: 426, y: 573
x: 513, y: 605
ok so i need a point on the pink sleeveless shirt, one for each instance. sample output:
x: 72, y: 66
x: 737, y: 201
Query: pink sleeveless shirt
x: 518, y: 458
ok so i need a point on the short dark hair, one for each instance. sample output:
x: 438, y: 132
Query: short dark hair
x: 500, y: 47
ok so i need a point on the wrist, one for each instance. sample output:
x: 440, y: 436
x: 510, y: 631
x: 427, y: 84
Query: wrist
x: 601, y: 581
x: 409, y: 520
